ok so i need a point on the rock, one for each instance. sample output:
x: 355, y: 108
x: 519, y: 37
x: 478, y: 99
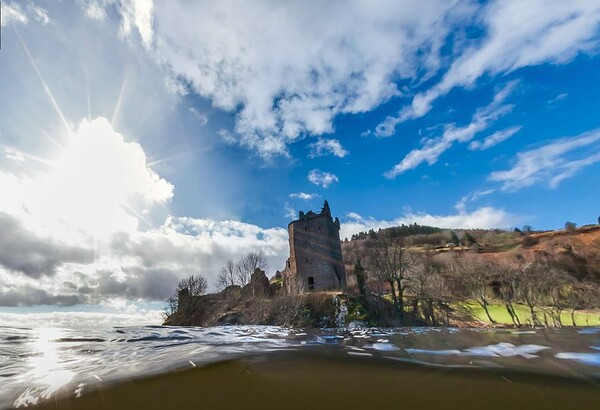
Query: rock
x: 231, y: 292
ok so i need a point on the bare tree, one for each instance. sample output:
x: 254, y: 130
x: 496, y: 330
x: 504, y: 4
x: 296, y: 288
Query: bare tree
x: 389, y: 262
x: 476, y: 277
x: 248, y: 264
x: 508, y: 277
x: 195, y: 284
x: 171, y: 306
x: 581, y: 295
x: 427, y: 288
x: 555, y: 294
x: 228, y: 276
x: 531, y: 288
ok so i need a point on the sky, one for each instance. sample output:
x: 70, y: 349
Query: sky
x: 142, y: 141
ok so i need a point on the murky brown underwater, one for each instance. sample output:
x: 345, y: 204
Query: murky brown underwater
x: 276, y: 368
x: 296, y: 380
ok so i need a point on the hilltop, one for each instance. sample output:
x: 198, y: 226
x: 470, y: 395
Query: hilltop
x: 576, y: 250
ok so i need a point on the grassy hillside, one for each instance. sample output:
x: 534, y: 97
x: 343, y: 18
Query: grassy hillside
x: 432, y: 273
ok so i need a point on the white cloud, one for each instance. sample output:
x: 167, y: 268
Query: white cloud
x: 485, y: 218
x: 304, y: 196
x: 188, y: 245
x: 200, y: 116
x: 39, y: 14
x: 140, y: 14
x: 478, y: 194
x: 434, y: 147
x: 288, y: 77
x: 552, y: 103
x: 72, y: 235
x: 494, y: 139
x: 518, y: 34
x: 94, y: 10
x: 137, y: 266
x: 321, y: 178
x: 12, y: 13
x: 551, y: 163
x: 325, y: 146
x: 13, y: 154
x: 290, y: 212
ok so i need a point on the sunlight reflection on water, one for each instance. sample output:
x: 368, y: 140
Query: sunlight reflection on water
x: 46, y: 368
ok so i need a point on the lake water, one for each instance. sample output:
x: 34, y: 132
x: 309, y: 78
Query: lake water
x: 276, y: 368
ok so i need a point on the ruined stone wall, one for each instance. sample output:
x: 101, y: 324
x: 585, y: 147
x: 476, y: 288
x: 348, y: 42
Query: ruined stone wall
x: 315, y: 253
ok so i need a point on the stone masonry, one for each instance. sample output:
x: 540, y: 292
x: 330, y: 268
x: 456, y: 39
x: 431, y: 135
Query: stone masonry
x: 315, y: 261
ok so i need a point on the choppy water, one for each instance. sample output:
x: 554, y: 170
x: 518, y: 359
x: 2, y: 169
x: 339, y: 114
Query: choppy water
x: 272, y: 367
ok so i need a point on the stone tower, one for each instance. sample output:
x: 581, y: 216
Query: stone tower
x: 315, y: 261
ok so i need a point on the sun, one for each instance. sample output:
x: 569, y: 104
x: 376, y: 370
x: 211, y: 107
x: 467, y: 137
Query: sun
x: 91, y: 185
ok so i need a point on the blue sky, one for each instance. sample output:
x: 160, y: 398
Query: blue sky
x: 142, y: 141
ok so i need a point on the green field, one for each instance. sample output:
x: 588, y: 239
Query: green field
x: 500, y: 315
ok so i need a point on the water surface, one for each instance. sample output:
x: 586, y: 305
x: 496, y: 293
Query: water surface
x: 272, y: 367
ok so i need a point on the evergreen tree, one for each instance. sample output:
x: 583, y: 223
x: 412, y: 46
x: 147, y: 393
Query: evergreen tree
x: 467, y: 239
x: 361, y: 279
x: 453, y: 238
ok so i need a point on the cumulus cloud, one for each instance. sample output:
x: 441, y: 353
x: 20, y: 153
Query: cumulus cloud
x: 551, y: 163
x: 19, y: 296
x: 200, y: 245
x: 25, y: 252
x: 70, y: 233
x: 434, y: 147
x: 325, y: 146
x: 321, y: 178
x: 136, y: 266
x: 288, y: 77
x: 518, y: 34
x: 494, y: 139
x: 485, y: 217
x: 305, y: 63
x: 304, y: 196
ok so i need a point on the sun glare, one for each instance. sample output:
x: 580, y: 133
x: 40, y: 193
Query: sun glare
x: 94, y: 181
x: 88, y: 182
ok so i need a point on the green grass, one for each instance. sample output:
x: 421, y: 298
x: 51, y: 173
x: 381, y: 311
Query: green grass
x: 276, y: 281
x: 500, y: 315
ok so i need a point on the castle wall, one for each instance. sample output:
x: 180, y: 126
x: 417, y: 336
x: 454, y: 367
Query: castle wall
x: 315, y: 253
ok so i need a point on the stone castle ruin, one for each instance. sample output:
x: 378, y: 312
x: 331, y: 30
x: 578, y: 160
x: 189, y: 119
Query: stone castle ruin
x: 315, y: 261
